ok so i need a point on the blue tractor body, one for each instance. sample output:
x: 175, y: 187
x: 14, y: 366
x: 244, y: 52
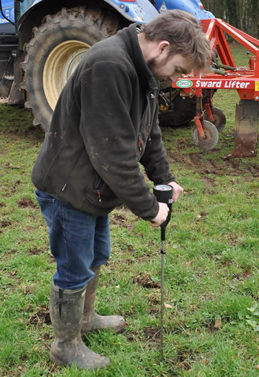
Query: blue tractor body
x: 191, y: 6
x: 8, y: 12
x: 139, y: 11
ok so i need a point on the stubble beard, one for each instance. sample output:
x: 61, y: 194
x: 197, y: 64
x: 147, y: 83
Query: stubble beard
x: 153, y: 66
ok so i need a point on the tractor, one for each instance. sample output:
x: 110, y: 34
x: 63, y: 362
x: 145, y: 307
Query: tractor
x: 42, y: 42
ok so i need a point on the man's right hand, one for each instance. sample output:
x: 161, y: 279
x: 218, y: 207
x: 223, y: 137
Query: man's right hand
x: 161, y: 215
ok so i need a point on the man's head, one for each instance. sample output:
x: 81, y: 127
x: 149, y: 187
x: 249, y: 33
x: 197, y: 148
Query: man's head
x: 175, y: 44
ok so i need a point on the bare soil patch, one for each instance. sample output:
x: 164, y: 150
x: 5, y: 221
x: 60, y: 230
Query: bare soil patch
x: 152, y: 335
x: 24, y: 202
x: 42, y: 316
x: 146, y: 281
x: 5, y: 223
x: 36, y: 251
x: 227, y: 165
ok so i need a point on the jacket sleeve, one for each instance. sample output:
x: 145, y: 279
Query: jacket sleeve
x: 110, y: 137
x: 154, y: 159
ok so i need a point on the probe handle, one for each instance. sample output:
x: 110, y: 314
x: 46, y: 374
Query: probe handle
x: 164, y: 194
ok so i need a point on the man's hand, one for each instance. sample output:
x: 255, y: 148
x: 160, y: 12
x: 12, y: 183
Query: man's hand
x: 161, y: 215
x: 178, y: 190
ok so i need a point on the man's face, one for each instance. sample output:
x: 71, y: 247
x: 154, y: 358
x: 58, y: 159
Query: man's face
x: 169, y: 68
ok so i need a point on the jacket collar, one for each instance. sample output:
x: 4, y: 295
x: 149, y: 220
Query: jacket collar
x: 129, y: 36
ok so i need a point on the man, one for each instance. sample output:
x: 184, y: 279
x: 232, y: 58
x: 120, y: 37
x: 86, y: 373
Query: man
x: 104, y: 124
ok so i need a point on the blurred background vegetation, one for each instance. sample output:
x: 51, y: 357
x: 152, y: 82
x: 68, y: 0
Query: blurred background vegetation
x: 243, y: 14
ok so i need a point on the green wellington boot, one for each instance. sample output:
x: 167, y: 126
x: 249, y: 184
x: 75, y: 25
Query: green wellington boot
x: 66, y: 309
x: 93, y: 321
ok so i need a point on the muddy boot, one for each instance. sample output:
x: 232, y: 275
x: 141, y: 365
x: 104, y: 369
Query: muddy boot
x: 66, y: 309
x: 92, y: 320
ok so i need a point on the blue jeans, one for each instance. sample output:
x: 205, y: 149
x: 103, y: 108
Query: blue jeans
x: 78, y: 241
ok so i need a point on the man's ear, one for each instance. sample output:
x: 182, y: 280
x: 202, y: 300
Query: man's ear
x: 163, y: 48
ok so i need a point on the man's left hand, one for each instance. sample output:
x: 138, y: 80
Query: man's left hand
x: 178, y: 190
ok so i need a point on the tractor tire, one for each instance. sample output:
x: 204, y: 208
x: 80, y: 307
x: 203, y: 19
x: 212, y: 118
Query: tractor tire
x: 55, y: 51
x: 211, y: 136
x: 219, y: 119
x: 182, y: 111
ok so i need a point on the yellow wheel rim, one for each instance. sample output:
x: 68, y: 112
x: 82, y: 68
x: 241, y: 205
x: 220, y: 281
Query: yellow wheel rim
x: 59, y: 66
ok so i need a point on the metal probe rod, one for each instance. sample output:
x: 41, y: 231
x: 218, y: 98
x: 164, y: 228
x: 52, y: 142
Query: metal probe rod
x: 162, y: 298
x: 164, y: 194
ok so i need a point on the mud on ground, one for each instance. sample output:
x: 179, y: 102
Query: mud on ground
x: 225, y: 166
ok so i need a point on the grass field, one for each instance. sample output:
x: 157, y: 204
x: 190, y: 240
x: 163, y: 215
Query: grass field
x: 211, y: 269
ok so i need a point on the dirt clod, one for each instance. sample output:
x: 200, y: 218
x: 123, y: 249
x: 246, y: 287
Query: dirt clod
x: 185, y: 358
x: 26, y: 203
x: 118, y: 219
x: 209, y: 182
x: 152, y: 333
x: 131, y: 336
x: 254, y: 169
x: 146, y: 281
x: 35, y: 251
x: 42, y: 316
x: 121, y: 219
x: 4, y: 224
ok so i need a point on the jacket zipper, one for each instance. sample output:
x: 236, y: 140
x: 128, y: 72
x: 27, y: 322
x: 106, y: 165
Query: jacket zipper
x: 99, y: 189
x: 139, y: 145
x: 152, y: 97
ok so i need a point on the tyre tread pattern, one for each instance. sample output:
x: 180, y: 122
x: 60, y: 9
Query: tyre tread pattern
x: 97, y: 24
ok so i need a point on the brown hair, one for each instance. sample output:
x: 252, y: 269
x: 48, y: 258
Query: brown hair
x: 183, y: 33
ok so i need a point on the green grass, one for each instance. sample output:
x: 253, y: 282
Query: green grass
x: 211, y: 266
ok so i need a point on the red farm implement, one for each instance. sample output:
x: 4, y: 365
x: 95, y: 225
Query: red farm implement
x: 226, y: 75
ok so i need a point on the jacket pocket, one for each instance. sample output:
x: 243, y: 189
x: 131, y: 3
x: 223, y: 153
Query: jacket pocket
x: 46, y: 203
